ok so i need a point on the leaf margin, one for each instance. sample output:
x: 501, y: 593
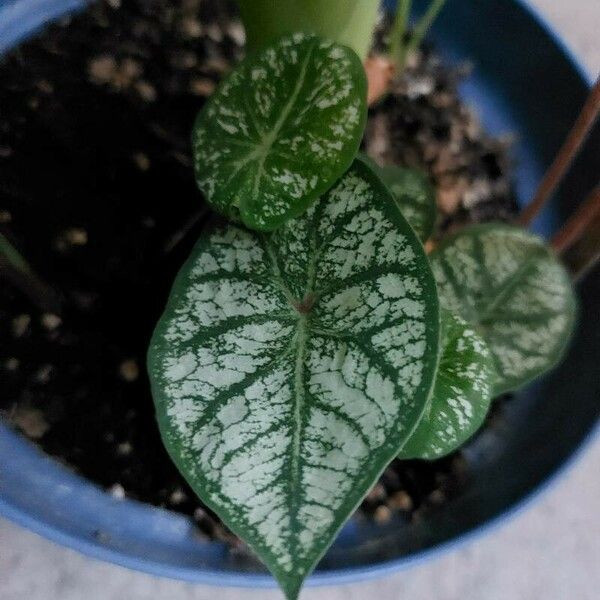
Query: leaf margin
x: 450, y: 323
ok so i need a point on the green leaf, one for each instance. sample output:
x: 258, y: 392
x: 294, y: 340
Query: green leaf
x: 344, y: 21
x: 13, y: 256
x: 462, y: 393
x: 415, y: 197
x: 514, y: 290
x: 288, y: 369
x: 281, y: 129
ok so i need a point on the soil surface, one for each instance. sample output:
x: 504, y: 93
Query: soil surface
x: 97, y: 191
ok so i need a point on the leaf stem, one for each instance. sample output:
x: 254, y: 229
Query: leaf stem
x: 424, y: 24
x: 17, y: 270
x: 397, y: 49
x: 381, y: 70
x: 558, y: 169
x: 578, y: 223
x: 12, y: 256
x: 175, y: 239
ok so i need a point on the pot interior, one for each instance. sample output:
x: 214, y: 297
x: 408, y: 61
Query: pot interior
x: 523, y: 83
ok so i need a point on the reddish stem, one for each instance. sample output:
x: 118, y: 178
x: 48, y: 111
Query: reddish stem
x: 380, y: 74
x: 577, y: 224
x: 565, y: 157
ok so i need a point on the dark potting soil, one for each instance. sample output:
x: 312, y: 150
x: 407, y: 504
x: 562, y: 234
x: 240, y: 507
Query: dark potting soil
x: 97, y: 191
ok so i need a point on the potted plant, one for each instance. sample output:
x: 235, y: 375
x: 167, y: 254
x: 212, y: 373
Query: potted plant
x: 326, y: 327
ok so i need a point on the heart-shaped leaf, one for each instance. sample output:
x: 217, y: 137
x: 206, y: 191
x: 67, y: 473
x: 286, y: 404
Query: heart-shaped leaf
x: 288, y: 369
x: 462, y: 393
x: 514, y: 290
x: 281, y: 129
x: 415, y: 197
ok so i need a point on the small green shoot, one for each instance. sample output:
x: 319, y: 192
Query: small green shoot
x: 15, y: 268
x: 401, y: 44
x: 9, y: 255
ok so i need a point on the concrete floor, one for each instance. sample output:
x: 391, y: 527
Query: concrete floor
x: 552, y: 551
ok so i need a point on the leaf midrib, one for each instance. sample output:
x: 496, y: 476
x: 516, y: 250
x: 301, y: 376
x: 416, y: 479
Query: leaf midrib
x: 299, y: 401
x: 299, y: 341
x: 499, y: 293
x: 266, y: 144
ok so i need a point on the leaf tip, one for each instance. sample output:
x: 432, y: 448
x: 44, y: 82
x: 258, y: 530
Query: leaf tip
x: 291, y: 587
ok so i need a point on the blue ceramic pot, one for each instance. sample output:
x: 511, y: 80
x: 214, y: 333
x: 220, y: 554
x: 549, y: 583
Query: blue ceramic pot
x: 525, y: 82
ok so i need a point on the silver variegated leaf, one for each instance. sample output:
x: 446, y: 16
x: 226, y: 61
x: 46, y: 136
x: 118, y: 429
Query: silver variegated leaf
x: 462, y: 393
x: 508, y: 284
x: 415, y: 196
x: 280, y: 130
x: 288, y: 369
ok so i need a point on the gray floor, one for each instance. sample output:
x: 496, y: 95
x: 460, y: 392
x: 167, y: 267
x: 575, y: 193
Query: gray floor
x: 552, y: 551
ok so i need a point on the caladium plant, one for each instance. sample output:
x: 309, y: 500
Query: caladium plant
x: 302, y: 347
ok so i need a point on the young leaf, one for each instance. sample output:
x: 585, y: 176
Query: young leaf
x: 461, y: 394
x: 514, y: 290
x: 415, y: 197
x: 344, y: 21
x: 13, y: 257
x: 413, y: 193
x: 288, y: 369
x: 281, y: 129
